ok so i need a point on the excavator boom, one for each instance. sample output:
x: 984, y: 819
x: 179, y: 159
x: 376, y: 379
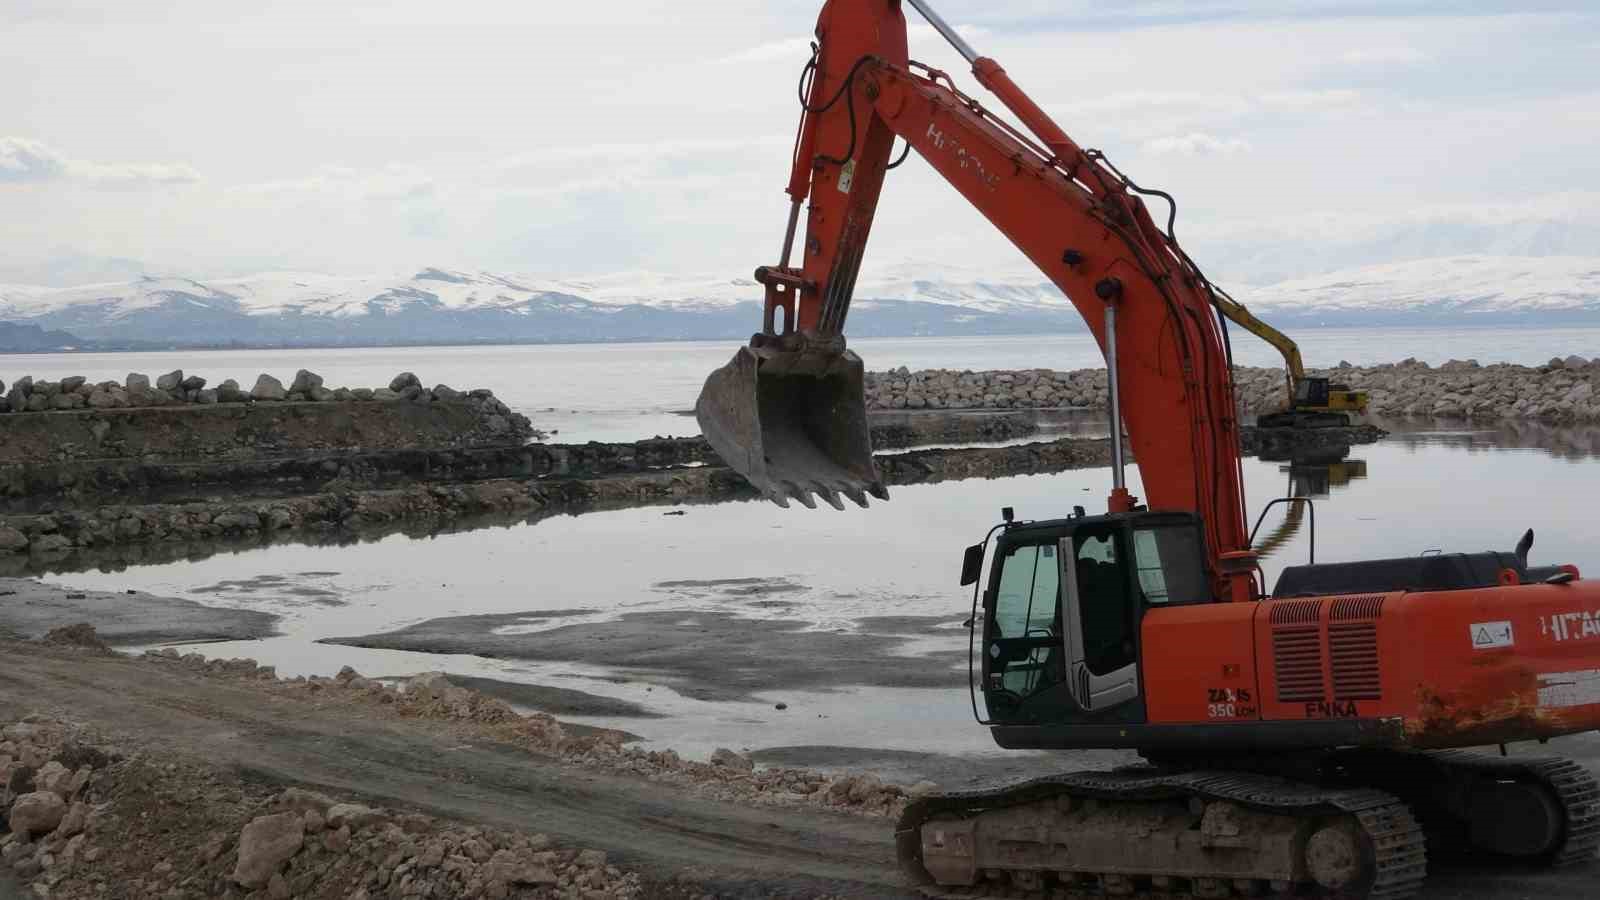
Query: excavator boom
x: 1067, y: 209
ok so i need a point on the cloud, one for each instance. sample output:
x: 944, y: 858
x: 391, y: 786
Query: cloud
x: 1383, y: 56
x: 799, y: 49
x: 388, y: 182
x: 1196, y: 144
x: 25, y: 161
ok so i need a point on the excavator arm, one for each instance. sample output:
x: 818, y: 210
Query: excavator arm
x: 1295, y: 367
x: 1067, y: 209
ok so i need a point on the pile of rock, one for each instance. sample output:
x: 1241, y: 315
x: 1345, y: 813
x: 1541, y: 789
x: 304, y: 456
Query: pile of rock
x: 1563, y: 390
x: 78, y: 821
x: 992, y: 389
x: 312, y: 846
x: 44, y: 781
x: 727, y: 775
x: 174, y: 388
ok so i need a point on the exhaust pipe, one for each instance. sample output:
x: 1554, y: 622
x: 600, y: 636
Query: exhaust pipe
x: 793, y: 423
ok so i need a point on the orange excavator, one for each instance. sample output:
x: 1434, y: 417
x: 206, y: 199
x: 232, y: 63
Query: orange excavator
x: 1308, y: 740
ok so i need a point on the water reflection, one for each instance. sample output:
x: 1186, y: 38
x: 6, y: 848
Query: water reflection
x: 1311, y: 476
x: 1561, y: 441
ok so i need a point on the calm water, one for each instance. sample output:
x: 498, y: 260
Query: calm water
x: 618, y: 392
x: 1419, y: 491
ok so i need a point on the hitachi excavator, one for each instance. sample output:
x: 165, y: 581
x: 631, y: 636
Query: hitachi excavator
x: 1301, y: 741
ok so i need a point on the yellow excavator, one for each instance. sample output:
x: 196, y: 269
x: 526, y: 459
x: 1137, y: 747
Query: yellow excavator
x: 1314, y: 402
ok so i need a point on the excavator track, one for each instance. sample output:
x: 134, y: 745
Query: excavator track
x: 1395, y: 856
x: 1574, y: 791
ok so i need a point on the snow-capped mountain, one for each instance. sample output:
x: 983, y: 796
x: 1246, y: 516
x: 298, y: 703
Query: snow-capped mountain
x: 441, y: 306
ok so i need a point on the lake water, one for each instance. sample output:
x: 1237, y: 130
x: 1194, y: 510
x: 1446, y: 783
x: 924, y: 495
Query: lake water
x: 621, y: 392
x: 1420, y: 490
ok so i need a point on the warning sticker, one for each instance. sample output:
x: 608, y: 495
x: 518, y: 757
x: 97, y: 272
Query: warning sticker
x: 1562, y: 689
x: 1489, y: 635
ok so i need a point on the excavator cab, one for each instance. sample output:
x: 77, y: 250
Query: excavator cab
x: 1061, y: 615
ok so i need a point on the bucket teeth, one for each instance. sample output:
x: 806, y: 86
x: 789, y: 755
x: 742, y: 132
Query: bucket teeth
x: 801, y: 494
x: 856, y: 495
x: 830, y: 495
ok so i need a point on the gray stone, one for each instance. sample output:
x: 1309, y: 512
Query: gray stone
x: 403, y: 381
x: 353, y: 815
x: 170, y: 381
x: 136, y: 380
x: 72, y: 383
x: 18, y: 394
x: 206, y: 396
x: 412, y: 392
x: 228, y: 392
x: 267, y: 843
x: 37, y: 813
x: 343, y: 395
x: 363, y: 393
x: 446, y: 392
x: 385, y: 394
x: 65, y: 401
x: 506, y: 867
x: 304, y: 381
x: 102, y: 400
x: 320, y: 394
x: 46, y: 388
x: 193, y: 383
x: 268, y: 388
x: 50, y: 543
x: 74, y: 821
x: 12, y: 540
x: 727, y: 759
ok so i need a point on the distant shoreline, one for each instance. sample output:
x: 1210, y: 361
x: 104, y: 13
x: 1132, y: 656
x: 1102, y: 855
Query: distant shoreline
x: 1296, y: 327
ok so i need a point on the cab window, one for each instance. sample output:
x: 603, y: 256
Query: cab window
x: 1168, y: 562
x: 1026, y: 601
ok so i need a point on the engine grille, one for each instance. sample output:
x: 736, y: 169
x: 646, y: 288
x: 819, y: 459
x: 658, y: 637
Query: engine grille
x: 1297, y: 661
x: 1353, y: 653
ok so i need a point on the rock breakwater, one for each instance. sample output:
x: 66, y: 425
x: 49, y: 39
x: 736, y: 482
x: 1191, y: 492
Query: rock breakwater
x: 592, y: 477
x: 1566, y: 389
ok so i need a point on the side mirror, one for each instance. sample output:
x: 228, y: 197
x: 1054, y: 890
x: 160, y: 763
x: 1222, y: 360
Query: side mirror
x: 972, y: 565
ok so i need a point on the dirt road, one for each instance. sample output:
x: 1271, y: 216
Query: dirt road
x: 734, y: 850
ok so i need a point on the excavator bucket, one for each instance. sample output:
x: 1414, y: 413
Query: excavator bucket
x: 793, y: 424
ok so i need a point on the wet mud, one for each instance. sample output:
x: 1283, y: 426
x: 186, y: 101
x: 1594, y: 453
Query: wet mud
x: 702, y: 654
x: 31, y: 609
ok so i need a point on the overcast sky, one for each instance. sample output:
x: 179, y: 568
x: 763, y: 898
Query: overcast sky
x: 223, y: 137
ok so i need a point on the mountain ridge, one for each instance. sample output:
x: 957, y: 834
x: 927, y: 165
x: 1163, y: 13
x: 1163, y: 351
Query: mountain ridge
x: 437, y: 305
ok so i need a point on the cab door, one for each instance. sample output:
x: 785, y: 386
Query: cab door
x: 1100, y: 611
x: 1024, y: 657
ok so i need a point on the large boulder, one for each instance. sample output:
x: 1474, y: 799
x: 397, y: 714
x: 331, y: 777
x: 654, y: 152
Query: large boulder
x: 446, y: 392
x: 37, y: 813
x: 50, y: 543
x: 268, y: 388
x: 265, y: 844
x: 171, y: 381
x: 304, y: 381
x: 404, y: 380
x: 193, y: 383
x: 727, y: 759
x: 18, y: 394
x: 136, y: 380
x: 228, y: 392
x: 72, y: 383
x: 12, y: 540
